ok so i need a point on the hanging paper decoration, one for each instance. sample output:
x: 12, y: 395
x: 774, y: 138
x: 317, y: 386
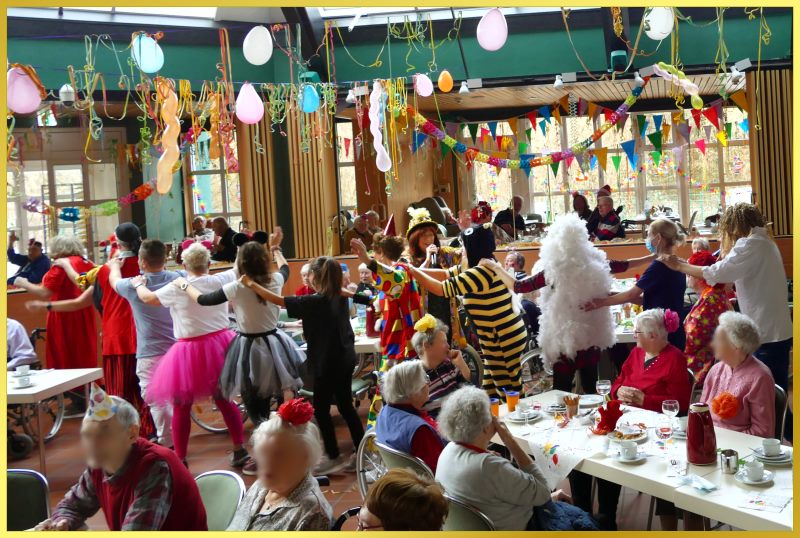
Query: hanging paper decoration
x: 622, y: 121
x: 257, y: 46
x: 656, y: 155
x: 628, y: 147
x: 70, y: 214
x: 711, y: 114
x: 417, y: 140
x: 593, y: 162
x: 557, y: 114
x: 24, y: 90
x: 499, y: 141
x: 657, y: 119
x: 544, y: 111
x: 707, y: 131
x: 473, y: 131
x: 655, y: 139
x: 484, y: 135
x: 591, y: 109
x: 722, y: 138
x: 492, y: 30
x: 528, y: 133
x: 532, y: 118
x: 684, y: 129
x: 249, y: 107
x: 543, y: 126
x: 642, y: 121
x: 601, y: 154
x: 170, y: 152
x: 569, y: 160
x: 431, y: 129
x: 382, y: 159
x: 493, y: 129
x: 729, y: 130
x: 616, y: 160
x: 676, y: 77
x: 744, y: 125
x: 696, y: 116
x: 423, y: 85
x: 701, y: 144
x: 147, y: 53
x: 512, y: 125
x: 347, y: 142
x: 740, y: 100
x: 665, y: 132
x: 522, y: 147
x: 554, y: 168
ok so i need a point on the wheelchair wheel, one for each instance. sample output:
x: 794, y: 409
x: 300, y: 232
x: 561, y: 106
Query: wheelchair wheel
x: 205, y: 414
x: 473, y: 360
x: 369, y: 465
x: 53, y: 416
x: 19, y: 445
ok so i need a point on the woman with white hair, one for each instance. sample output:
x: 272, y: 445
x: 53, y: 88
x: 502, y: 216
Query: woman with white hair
x: 71, y: 336
x: 286, y: 497
x: 654, y: 371
x: 191, y: 368
x: 507, y: 494
x: 740, y: 388
x: 445, y: 367
x: 306, y: 288
x: 402, y: 423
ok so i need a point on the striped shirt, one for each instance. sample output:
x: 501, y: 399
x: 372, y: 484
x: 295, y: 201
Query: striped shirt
x: 442, y: 380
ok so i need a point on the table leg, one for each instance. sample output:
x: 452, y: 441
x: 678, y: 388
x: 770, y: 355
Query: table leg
x: 40, y: 433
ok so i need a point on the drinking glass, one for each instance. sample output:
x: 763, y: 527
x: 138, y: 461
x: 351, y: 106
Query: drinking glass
x: 670, y: 408
x: 603, y: 387
x: 524, y: 410
x: 664, y: 432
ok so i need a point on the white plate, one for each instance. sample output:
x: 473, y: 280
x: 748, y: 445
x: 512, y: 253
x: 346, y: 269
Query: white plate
x: 17, y: 387
x: 781, y: 463
x: 640, y: 438
x: 639, y: 458
x: 759, y: 451
x: 678, y: 434
x: 19, y: 374
x: 741, y: 476
x: 590, y: 400
x: 552, y: 409
x: 517, y: 418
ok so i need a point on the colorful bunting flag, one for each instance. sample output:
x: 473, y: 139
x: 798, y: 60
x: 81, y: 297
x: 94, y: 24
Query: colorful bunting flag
x: 570, y: 158
x: 499, y: 141
x: 529, y: 130
x: 484, y: 135
x: 622, y: 121
x: 696, y: 114
x: 729, y: 129
x: 512, y: 124
x: 607, y: 114
x: 657, y: 121
x: 557, y: 114
x: 418, y: 139
x: 740, y: 99
x: 711, y: 114
x: 592, y: 109
x: 347, y: 142
x: 602, y: 155
x: 656, y: 155
x: 641, y: 120
x: 665, y: 131
x: 707, y: 130
x: 523, y: 147
x: 564, y: 102
x: 722, y: 138
x: 655, y: 139
x: 543, y: 126
x: 544, y: 111
x: 684, y: 129
x: 745, y: 125
x: 525, y: 163
x: 701, y: 144
x: 445, y: 148
x: 629, y: 150
x: 532, y: 117
x: 493, y: 129
x: 473, y: 131
x: 593, y: 162
x: 616, y: 159
x: 677, y: 117
x: 554, y: 167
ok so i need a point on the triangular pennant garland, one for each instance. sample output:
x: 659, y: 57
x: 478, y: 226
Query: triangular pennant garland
x: 616, y: 159
x: 655, y: 139
x: 665, y: 132
x: 711, y: 114
x: 722, y: 138
x: 740, y: 99
x: 701, y: 144
x: 642, y: 122
x: 657, y: 121
x: 696, y: 114
x: 629, y: 150
x: 656, y: 155
x: 602, y: 155
x: 512, y: 124
x: 544, y: 111
x: 493, y: 128
x: 707, y: 131
x: 729, y: 130
x: 473, y: 131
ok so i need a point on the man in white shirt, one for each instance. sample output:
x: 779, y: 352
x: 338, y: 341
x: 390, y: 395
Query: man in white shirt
x: 20, y: 350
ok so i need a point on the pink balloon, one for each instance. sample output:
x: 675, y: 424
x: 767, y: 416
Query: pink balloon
x: 249, y: 107
x: 492, y: 30
x: 423, y: 85
x: 23, y: 95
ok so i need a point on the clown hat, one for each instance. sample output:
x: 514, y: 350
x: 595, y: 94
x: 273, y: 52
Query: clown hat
x: 101, y: 406
x: 420, y: 218
x: 390, y: 229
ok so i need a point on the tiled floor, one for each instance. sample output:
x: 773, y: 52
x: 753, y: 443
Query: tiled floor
x: 209, y: 451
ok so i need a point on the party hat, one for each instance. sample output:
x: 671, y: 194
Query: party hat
x: 101, y: 406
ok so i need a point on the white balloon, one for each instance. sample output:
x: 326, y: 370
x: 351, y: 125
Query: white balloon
x: 382, y: 159
x: 423, y: 85
x: 257, y: 46
x: 659, y: 23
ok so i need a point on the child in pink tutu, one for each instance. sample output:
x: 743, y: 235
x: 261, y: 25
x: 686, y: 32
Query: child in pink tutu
x: 190, y: 370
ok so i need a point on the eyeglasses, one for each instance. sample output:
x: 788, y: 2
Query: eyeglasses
x: 362, y: 527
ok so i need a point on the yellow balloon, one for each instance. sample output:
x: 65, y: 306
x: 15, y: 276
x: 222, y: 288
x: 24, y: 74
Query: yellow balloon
x: 697, y: 102
x: 445, y: 81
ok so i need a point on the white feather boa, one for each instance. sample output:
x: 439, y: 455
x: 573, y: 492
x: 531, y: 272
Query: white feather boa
x: 575, y: 272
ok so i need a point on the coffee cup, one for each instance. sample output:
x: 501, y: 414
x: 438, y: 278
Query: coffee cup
x: 23, y: 370
x: 755, y: 470
x: 682, y: 423
x: 771, y: 447
x: 23, y: 381
x: 628, y: 450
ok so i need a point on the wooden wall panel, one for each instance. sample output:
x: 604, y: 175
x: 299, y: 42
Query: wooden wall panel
x: 771, y: 145
x: 257, y: 175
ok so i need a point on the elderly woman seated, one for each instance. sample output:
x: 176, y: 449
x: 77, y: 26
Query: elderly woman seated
x: 445, y: 368
x: 740, y: 388
x: 506, y: 494
x: 285, y: 497
x: 402, y: 423
x: 401, y: 500
x: 654, y: 371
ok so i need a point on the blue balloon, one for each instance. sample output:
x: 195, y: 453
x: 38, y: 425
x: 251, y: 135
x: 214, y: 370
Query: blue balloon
x: 309, y: 101
x: 147, y: 54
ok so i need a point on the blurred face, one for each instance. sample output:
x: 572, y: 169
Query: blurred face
x: 106, y: 443
x: 510, y: 262
x: 365, y: 276
x: 517, y: 205
x: 426, y: 238
x: 724, y: 349
x: 282, y: 462
x: 34, y: 252
x: 360, y: 224
x: 648, y: 342
x: 368, y: 521
x: 604, y: 207
x: 305, y: 275
x: 219, y: 227
x: 579, y: 204
x: 439, y: 348
x: 372, y: 220
x: 198, y: 225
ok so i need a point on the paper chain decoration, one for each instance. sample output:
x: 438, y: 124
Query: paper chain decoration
x: 472, y: 154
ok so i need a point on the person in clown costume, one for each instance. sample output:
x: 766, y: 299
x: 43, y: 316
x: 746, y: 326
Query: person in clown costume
x: 398, y: 296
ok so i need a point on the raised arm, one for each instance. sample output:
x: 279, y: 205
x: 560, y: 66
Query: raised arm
x: 262, y: 292
x: 114, y: 272
x: 431, y: 284
x: 36, y: 289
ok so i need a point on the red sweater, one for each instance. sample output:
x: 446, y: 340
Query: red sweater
x: 665, y: 378
x: 186, y: 513
x: 119, y: 330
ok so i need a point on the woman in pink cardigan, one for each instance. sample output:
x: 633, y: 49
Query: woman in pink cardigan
x: 740, y: 388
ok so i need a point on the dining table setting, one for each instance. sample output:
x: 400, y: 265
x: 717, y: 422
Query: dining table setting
x: 741, y: 480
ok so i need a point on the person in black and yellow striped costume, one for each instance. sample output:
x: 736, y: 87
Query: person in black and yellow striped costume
x: 487, y: 300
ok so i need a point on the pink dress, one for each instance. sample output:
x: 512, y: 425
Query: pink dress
x: 752, y: 384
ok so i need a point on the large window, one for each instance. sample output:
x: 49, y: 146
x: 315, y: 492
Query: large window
x: 703, y: 183
x: 346, y: 165
x: 214, y: 192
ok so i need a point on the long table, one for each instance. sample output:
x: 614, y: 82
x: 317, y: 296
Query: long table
x: 46, y: 384
x: 653, y: 475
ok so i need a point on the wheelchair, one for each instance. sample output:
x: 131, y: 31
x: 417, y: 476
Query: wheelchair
x: 23, y: 424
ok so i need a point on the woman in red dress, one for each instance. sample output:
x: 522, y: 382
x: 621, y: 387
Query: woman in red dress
x: 71, y: 336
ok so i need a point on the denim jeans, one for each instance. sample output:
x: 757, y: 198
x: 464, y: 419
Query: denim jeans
x: 776, y: 356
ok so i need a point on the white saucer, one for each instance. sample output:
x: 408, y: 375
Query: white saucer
x: 517, y: 418
x: 552, y: 409
x: 678, y: 434
x: 741, y: 476
x: 17, y: 387
x: 591, y: 400
x: 639, y: 458
x: 19, y: 374
x: 759, y: 452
